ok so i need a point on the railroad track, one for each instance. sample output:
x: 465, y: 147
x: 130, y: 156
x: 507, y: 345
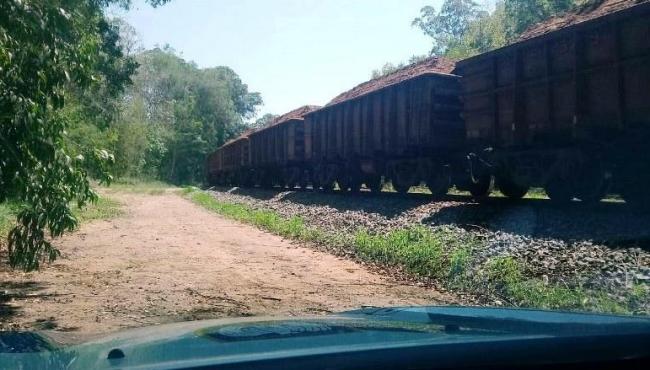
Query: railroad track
x: 608, y: 204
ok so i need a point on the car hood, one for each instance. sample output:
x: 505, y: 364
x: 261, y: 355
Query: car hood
x: 232, y: 341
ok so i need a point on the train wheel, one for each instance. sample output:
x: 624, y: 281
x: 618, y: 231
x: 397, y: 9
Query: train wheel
x: 592, y: 185
x: 482, y: 188
x: 355, y: 187
x: 246, y: 180
x: 511, y: 189
x: 404, y: 176
x: 328, y: 187
x: 350, y: 182
x: 266, y: 181
x: 286, y: 180
x: 355, y: 184
x: 637, y: 196
x: 320, y: 178
x: 305, y: 179
x: 258, y: 178
x: 633, y: 183
x: 439, y: 184
x: 401, y: 188
x: 374, y: 183
x: 292, y: 177
x: 315, y: 179
x: 343, y: 183
x: 559, y: 189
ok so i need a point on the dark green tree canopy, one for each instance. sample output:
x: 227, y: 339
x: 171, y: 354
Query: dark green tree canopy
x: 51, y: 51
x: 184, y: 112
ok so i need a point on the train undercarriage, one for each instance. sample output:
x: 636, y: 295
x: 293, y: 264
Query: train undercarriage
x: 584, y: 172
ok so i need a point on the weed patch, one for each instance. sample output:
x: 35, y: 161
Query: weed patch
x: 506, y: 277
x: 440, y: 254
x: 104, y: 208
x: 293, y: 227
x: 139, y: 186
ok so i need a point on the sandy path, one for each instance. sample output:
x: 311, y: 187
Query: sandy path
x: 170, y: 260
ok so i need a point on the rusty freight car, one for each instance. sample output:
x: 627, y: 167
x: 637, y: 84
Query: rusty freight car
x: 404, y: 126
x: 566, y: 108
x: 231, y: 163
x: 213, y: 167
x: 278, y: 150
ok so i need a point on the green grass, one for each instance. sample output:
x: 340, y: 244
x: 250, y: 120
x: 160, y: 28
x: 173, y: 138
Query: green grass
x: 139, y: 186
x: 8, y: 213
x: 507, y: 278
x: 536, y: 193
x: 104, y: 208
x: 293, y: 227
x: 443, y: 254
x: 440, y: 254
x: 418, y: 189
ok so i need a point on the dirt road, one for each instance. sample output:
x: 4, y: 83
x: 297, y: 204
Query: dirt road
x: 169, y: 260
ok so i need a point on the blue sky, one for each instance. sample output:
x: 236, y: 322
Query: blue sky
x: 294, y: 52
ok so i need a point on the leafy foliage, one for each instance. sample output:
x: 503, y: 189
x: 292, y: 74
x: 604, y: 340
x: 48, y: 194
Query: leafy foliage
x: 449, y: 24
x: 264, y: 121
x: 68, y: 113
x: 175, y: 113
x: 51, y: 51
x: 462, y: 28
x: 389, y: 68
x: 524, y: 13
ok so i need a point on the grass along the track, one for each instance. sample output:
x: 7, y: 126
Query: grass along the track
x: 444, y: 254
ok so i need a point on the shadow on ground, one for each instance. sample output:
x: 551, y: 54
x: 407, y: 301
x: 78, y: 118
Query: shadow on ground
x: 16, y: 294
x: 387, y: 204
x: 611, y: 223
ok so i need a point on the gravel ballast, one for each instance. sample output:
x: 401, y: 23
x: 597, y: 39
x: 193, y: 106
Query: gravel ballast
x: 600, y: 247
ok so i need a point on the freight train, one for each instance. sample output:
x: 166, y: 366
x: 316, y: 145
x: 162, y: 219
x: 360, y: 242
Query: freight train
x: 565, y: 108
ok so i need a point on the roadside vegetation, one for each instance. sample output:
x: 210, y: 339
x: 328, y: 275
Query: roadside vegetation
x: 139, y: 186
x: 441, y: 255
x: 83, y: 102
x: 293, y: 227
x: 103, y: 208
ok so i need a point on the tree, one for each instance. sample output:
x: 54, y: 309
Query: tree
x: 462, y: 29
x: 484, y: 34
x: 522, y: 14
x: 185, y: 111
x: 389, y: 68
x: 264, y: 121
x: 448, y: 25
x: 50, y: 51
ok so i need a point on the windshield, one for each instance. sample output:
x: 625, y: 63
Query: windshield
x: 166, y: 161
